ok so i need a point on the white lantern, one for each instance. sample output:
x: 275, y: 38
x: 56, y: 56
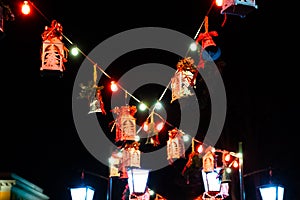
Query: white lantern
x: 271, y: 192
x: 179, y: 84
x: 82, y: 193
x: 137, y: 180
x: 131, y: 156
x: 125, y: 123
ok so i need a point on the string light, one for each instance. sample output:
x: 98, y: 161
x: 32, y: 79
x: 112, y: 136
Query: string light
x: 25, y: 8
x: 114, y: 85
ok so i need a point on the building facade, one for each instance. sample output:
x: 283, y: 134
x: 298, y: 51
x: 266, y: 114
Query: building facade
x: 14, y: 187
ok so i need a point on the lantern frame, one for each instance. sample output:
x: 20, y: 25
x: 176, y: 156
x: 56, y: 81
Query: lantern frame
x: 271, y: 191
x: 137, y: 180
x: 84, y: 192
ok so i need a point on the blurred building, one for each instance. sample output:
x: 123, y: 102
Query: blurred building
x: 14, y: 187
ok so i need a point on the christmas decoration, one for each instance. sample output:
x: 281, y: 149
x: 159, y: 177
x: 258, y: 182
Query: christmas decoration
x: 54, y: 54
x: 125, y: 123
x: 175, y: 145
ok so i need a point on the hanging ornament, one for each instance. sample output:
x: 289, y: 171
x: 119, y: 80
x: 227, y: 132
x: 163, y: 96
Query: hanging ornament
x: 175, y: 145
x: 92, y: 92
x: 208, y: 161
x: 125, y: 123
x: 131, y: 155
x: 96, y: 103
x: 152, y: 131
x: 190, y: 72
x: 54, y: 54
x: 209, y: 50
x: 238, y: 7
x: 184, y: 77
x: 114, y: 164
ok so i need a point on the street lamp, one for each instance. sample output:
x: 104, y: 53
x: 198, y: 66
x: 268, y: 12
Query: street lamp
x: 82, y: 193
x: 271, y: 191
x: 137, y: 181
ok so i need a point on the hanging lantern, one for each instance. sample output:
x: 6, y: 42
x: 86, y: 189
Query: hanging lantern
x: 131, y: 155
x: 153, y: 129
x: 54, y: 53
x: 114, y: 164
x: 238, y: 7
x: 96, y: 103
x: 125, y: 123
x: 209, y: 50
x: 175, y: 145
x: 190, y: 72
x: 208, y: 161
x: 179, y: 86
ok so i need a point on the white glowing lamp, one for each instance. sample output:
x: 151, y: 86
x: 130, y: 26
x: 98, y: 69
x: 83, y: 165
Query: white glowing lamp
x: 137, y: 180
x: 271, y: 192
x: 82, y: 193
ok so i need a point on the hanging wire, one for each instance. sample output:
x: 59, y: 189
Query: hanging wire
x: 44, y: 16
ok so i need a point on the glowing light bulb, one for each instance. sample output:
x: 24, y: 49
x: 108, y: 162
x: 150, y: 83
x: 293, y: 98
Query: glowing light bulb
x: 25, y: 8
x: 113, y: 86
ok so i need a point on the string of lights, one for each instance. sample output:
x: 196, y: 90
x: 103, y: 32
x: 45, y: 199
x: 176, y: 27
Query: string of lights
x: 26, y: 10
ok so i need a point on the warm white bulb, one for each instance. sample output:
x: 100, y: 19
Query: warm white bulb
x: 193, y: 46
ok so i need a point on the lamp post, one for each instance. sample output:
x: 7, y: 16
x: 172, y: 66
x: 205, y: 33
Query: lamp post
x: 82, y: 192
x: 137, y: 181
x: 85, y: 192
x: 271, y: 191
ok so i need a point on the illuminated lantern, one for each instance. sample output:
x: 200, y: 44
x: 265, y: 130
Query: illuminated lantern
x: 175, y: 145
x: 211, y: 177
x: 238, y: 7
x: 152, y: 129
x: 125, y: 123
x: 96, y: 103
x: 114, y: 165
x: 209, y: 51
x: 54, y: 53
x: 184, y: 77
x: 131, y: 155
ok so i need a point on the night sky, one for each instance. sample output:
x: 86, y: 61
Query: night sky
x: 39, y: 141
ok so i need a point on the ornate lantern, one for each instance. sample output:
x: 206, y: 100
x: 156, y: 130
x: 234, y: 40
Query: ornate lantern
x: 131, y: 155
x: 175, y: 145
x: 238, y: 7
x: 125, y: 123
x: 96, y: 103
x: 179, y: 85
x: 114, y: 164
x: 137, y: 182
x: 209, y: 51
x: 54, y: 53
